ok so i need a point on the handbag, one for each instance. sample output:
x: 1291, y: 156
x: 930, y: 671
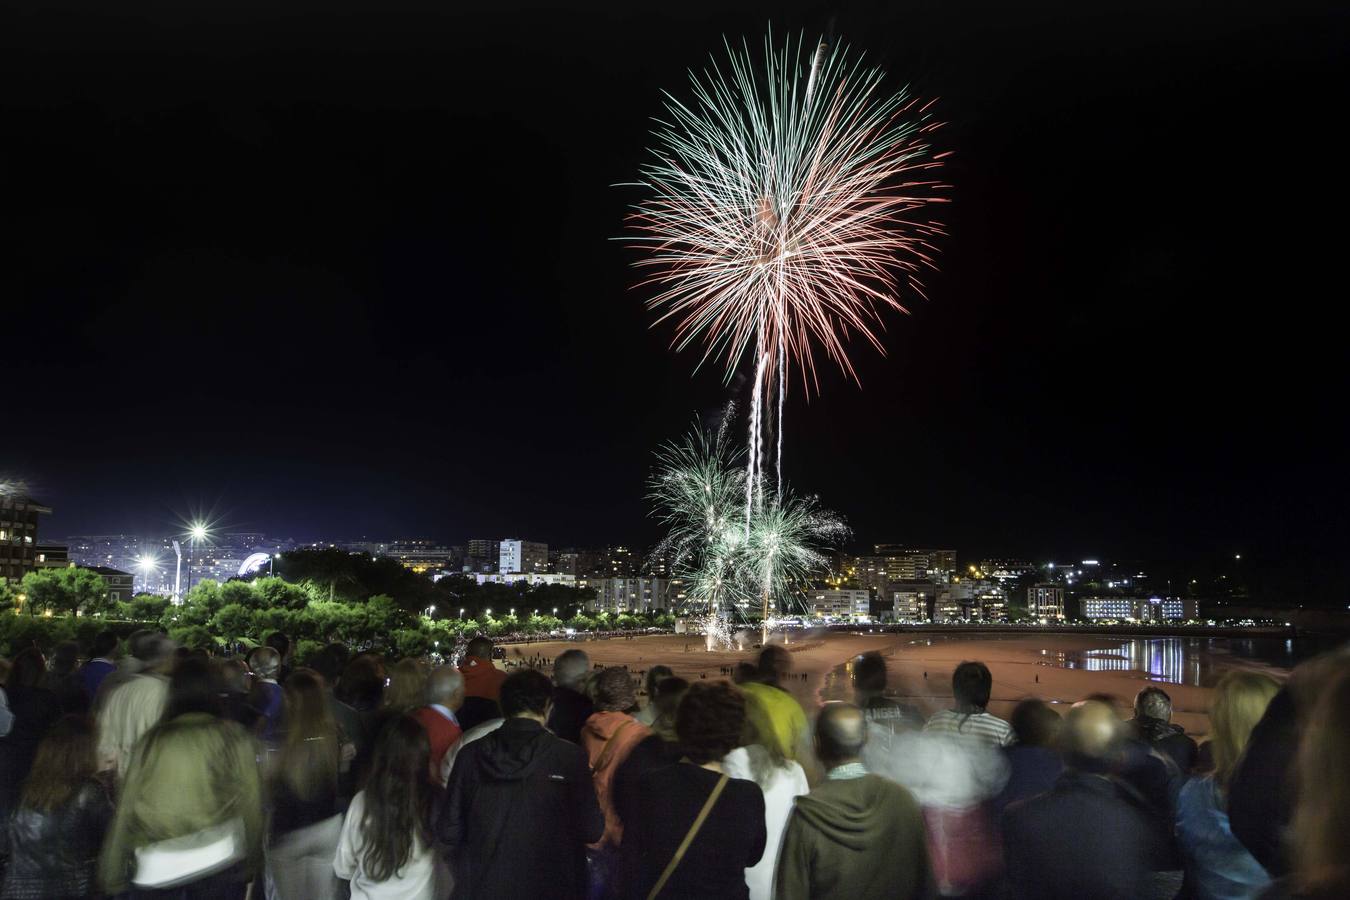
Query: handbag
x: 689, y: 838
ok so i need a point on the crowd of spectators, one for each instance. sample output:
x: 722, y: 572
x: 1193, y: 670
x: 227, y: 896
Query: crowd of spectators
x: 168, y: 773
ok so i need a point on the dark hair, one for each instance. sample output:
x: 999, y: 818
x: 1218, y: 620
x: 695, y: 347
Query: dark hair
x: 971, y: 684
x: 869, y: 673
x: 329, y: 662
x: 525, y: 691
x: 480, y: 647
x: 27, y: 669
x: 278, y: 641
x: 743, y: 672
x: 774, y: 662
x: 66, y: 756
x: 65, y: 657
x: 655, y: 675
x: 1153, y: 703
x: 193, y: 689
x: 105, y: 642
x: 710, y: 720
x: 1036, y: 723
x: 613, y: 690
x: 362, y: 683
x: 397, y: 798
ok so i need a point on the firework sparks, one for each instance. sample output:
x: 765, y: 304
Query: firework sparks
x: 784, y: 213
x: 696, y: 488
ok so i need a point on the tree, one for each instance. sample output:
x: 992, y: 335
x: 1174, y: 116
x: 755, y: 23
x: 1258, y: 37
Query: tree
x: 65, y: 590
x: 146, y: 607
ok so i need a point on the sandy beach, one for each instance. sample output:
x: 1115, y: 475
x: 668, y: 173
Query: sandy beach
x: 920, y: 667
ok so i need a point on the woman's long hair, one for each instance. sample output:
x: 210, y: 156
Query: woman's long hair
x: 65, y: 758
x: 397, y: 798
x: 1322, y: 817
x: 407, y: 686
x: 1240, y: 700
x: 308, y: 765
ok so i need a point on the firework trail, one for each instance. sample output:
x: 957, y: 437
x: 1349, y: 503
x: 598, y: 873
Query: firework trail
x: 785, y: 212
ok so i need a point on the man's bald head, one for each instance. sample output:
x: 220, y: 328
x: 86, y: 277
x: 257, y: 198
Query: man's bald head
x: 841, y: 731
x: 446, y: 686
x: 1092, y: 736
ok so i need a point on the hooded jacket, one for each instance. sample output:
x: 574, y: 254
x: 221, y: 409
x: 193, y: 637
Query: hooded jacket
x: 856, y: 838
x: 519, y: 810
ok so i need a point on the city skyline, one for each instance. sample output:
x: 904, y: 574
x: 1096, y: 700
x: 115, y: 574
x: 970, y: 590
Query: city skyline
x: 380, y: 288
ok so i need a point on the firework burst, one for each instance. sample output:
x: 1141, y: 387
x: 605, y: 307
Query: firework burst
x: 727, y: 564
x: 785, y: 211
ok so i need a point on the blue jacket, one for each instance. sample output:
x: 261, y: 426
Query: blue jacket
x: 1220, y: 867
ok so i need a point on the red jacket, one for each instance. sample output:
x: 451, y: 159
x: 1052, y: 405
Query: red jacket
x: 482, y: 678
x: 441, y: 732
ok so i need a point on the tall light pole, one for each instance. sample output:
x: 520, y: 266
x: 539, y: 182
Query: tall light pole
x: 178, y: 574
x: 148, y: 565
x: 196, y: 534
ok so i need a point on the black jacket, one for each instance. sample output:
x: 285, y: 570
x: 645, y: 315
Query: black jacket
x: 1084, y: 838
x: 1261, y: 792
x: 519, y: 810
x: 55, y: 854
x: 570, y: 712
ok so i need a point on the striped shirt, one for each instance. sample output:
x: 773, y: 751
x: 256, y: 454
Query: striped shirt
x: 982, y: 726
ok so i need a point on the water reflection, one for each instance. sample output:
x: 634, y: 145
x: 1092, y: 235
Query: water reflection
x: 1171, y: 660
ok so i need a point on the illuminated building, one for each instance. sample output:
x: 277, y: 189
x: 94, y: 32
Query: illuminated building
x: 620, y: 595
x: 915, y: 563
x: 1140, y: 609
x: 522, y: 556
x: 18, y: 535
x: 1045, y: 601
x: 119, y: 583
x: 840, y: 603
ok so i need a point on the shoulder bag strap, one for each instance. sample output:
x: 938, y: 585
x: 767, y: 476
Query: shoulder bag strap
x: 689, y: 838
x: 602, y: 760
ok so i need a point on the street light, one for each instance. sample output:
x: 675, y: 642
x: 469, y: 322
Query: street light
x: 147, y: 564
x: 461, y: 612
x: 197, y: 533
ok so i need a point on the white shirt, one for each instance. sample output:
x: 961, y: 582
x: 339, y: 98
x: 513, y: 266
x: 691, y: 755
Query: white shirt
x: 781, y: 785
x: 416, y: 880
x: 981, y: 726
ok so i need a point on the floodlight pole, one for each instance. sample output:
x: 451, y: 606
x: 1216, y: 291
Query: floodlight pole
x: 178, y: 575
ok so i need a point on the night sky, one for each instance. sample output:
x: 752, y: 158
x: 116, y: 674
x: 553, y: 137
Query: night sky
x: 327, y: 271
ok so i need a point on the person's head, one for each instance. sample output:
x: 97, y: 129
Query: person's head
x: 329, y: 663
x: 613, y: 691
x: 265, y: 663
x: 526, y: 694
x: 66, y: 756
x: 279, y: 642
x: 397, y: 798
x: 445, y: 686
x: 841, y: 731
x: 710, y: 721
x: 1153, y: 703
x: 743, y: 672
x: 192, y: 689
x: 869, y: 675
x: 1092, y: 736
x: 104, y: 645
x: 1035, y: 723
x: 480, y: 647
x: 65, y: 657
x: 362, y: 683
x: 407, y: 686
x: 155, y: 652
x: 971, y: 684
x: 666, y: 701
x: 1322, y: 815
x: 234, y: 676
x: 1240, y: 700
x: 775, y: 663
x: 655, y: 675
x: 27, y: 669
x: 137, y: 640
x: 570, y: 669
x: 310, y: 754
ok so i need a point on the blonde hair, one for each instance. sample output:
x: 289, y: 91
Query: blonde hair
x: 310, y: 756
x: 1240, y: 700
x: 1322, y: 816
x: 407, y: 685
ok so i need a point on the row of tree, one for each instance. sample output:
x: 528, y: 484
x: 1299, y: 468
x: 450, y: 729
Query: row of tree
x: 240, y: 613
